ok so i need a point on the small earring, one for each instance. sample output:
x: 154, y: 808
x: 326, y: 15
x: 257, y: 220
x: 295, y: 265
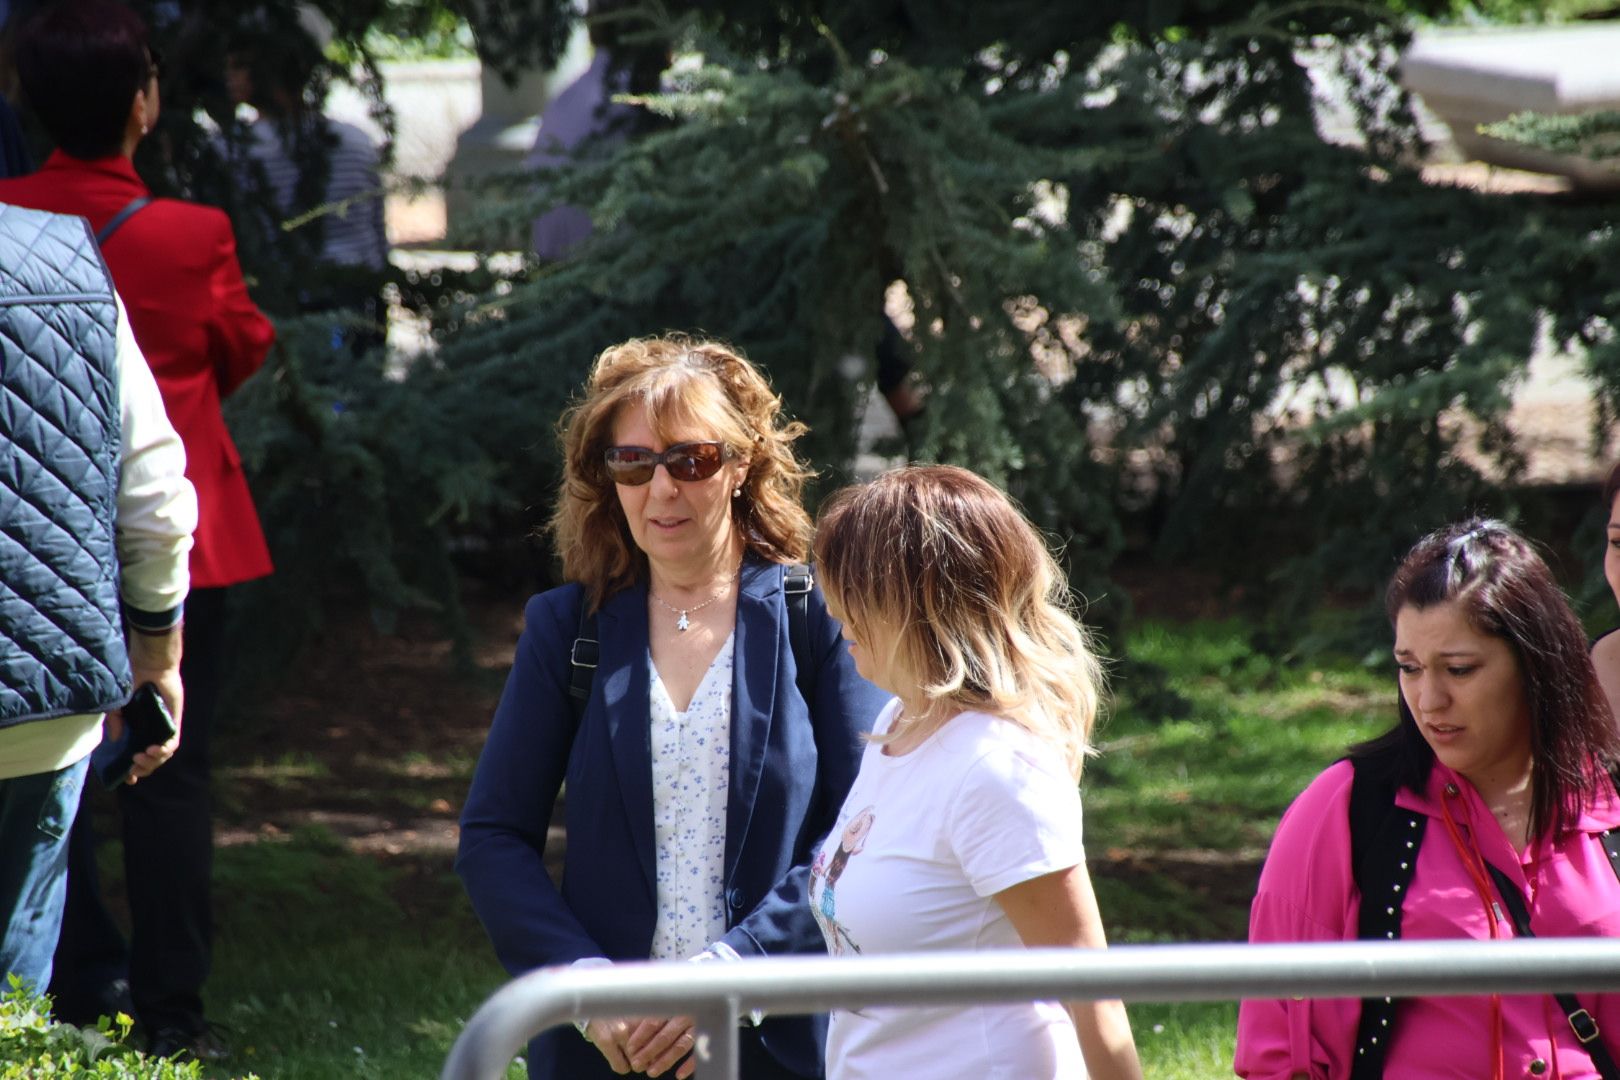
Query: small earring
x: 736, y: 493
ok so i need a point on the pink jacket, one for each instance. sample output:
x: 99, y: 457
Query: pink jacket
x: 1307, y: 894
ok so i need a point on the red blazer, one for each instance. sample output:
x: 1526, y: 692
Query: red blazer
x: 174, y: 263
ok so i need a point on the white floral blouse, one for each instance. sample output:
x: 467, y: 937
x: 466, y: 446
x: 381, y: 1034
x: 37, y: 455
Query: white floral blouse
x: 691, y: 775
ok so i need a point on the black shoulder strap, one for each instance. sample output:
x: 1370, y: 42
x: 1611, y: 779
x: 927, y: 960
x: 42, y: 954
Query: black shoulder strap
x: 582, y: 659
x: 118, y: 219
x: 1581, y: 1022
x: 1384, y: 842
x: 796, y: 585
x: 1609, y: 838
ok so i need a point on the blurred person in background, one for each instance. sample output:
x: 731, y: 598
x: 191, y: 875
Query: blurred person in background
x: 583, y: 118
x: 630, y: 58
x: 310, y: 164
x: 15, y: 159
x: 88, y: 73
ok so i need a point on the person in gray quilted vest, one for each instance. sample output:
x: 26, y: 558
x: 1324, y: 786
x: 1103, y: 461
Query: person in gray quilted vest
x: 96, y: 518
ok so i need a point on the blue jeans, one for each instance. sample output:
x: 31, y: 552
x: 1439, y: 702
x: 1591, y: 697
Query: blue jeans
x: 36, y: 814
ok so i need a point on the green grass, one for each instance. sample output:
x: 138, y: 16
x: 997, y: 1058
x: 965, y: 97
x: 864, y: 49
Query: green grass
x: 331, y: 964
x: 1219, y: 776
x: 1185, y: 1041
x: 1182, y: 802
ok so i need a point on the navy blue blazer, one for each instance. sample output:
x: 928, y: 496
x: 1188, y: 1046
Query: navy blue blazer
x: 790, y: 769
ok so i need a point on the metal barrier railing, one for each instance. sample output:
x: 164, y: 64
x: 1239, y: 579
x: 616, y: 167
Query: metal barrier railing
x: 716, y: 994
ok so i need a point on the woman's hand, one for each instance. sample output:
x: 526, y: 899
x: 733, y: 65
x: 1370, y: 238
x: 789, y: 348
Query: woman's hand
x: 655, y: 1046
x: 609, y: 1036
x: 1059, y: 910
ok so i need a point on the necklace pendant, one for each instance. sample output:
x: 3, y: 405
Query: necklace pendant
x: 682, y: 623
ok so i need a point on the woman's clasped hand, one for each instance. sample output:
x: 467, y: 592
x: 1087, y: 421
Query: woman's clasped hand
x: 653, y: 1047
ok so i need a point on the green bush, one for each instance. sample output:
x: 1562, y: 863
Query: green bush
x: 33, y: 1045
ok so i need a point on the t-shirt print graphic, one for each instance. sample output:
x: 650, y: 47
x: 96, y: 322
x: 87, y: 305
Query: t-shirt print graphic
x: 824, y: 874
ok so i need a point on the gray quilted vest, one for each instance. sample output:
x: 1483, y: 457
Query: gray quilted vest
x: 61, y: 634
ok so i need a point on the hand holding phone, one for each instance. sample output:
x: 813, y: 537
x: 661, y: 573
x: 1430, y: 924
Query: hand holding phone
x: 147, y: 722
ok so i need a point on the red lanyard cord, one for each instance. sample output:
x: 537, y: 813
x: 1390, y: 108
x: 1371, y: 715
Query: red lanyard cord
x: 1474, y: 863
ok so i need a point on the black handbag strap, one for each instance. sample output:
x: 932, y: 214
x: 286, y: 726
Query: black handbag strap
x: 1581, y: 1022
x: 130, y: 208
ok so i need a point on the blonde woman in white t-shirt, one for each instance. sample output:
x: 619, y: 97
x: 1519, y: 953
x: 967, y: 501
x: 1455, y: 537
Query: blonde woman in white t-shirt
x: 962, y: 829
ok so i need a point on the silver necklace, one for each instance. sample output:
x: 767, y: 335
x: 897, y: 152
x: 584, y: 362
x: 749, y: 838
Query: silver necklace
x: 683, y: 623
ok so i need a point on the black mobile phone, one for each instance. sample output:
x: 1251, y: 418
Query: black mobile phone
x: 146, y: 722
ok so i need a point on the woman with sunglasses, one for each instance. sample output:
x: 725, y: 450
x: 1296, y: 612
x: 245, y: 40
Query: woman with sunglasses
x: 722, y: 719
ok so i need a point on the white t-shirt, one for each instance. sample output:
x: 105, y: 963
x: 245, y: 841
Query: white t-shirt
x: 924, y: 842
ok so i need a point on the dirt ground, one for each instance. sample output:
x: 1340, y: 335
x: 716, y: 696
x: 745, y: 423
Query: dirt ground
x: 372, y: 737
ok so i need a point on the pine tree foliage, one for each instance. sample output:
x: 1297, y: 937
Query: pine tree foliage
x: 1145, y: 291
x: 1593, y: 135
x: 1144, y: 283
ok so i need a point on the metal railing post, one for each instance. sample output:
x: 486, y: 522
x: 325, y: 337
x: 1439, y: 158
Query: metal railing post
x: 718, y: 1047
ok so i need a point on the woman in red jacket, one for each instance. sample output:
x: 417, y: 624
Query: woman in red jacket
x: 88, y: 73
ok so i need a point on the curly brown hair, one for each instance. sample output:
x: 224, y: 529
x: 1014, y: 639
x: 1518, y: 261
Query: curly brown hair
x: 685, y: 383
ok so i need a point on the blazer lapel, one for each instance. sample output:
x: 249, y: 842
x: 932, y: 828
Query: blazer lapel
x: 759, y: 640
x: 625, y: 687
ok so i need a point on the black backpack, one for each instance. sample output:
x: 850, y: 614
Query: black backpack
x: 1384, y: 842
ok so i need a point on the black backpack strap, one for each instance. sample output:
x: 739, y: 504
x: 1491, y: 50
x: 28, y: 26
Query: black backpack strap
x: 582, y: 659
x: 1611, y: 848
x: 1384, y: 842
x: 797, y: 582
x: 105, y: 232
x: 1609, y: 838
x: 1581, y: 1022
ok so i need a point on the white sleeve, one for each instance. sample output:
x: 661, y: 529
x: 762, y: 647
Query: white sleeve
x: 1016, y: 817
x: 157, y: 507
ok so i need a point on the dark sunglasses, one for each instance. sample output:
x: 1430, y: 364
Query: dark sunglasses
x: 688, y: 461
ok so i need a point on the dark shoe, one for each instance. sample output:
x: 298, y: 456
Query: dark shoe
x: 203, y: 1044
x: 83, y: 1010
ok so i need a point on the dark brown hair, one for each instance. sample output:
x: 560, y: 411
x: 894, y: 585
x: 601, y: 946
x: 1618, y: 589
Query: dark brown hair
x: 80, y: 63
x: 1505, y: 589
x: 1611, y: 488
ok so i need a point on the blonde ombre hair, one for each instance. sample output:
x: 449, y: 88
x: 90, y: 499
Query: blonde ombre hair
x: 688, y: 386
x: 965, y: 601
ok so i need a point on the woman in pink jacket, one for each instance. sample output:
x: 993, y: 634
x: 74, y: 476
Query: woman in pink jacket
x: 1484, y: 813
